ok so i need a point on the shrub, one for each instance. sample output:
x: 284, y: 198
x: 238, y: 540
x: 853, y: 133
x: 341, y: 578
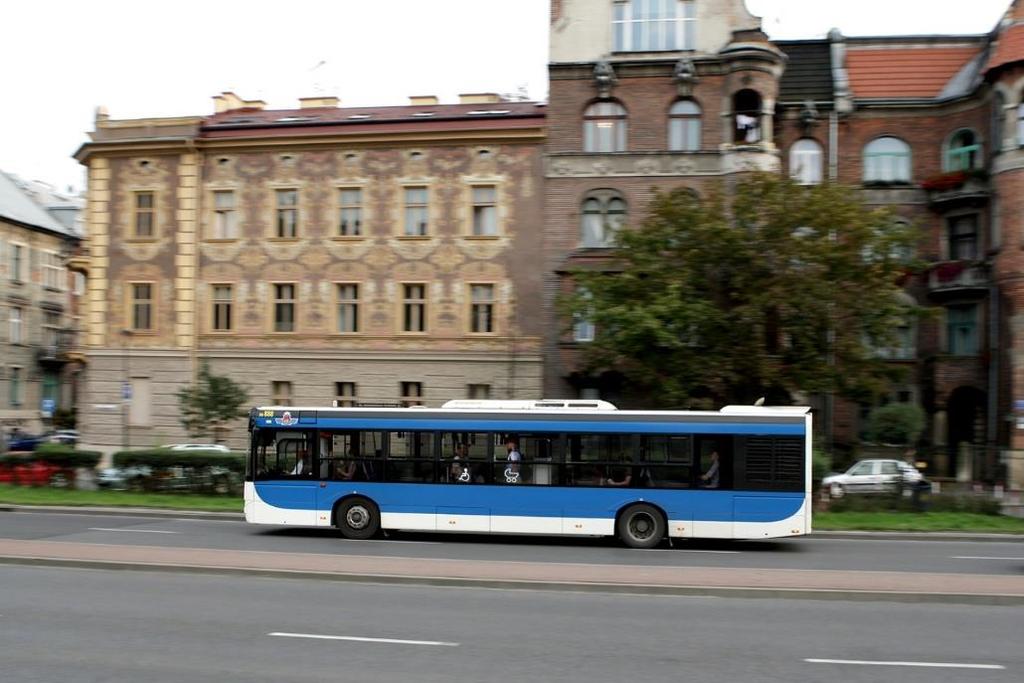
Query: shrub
x: 162, y: 469
x: 162, y: 458
x: 896, y: 423
x: 821, y: 463
x: 63, y: 455
x: 946, y: 502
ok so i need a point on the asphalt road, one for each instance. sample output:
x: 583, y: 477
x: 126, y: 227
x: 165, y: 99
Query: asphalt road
x: 70, y: 625
x: 933, y: 556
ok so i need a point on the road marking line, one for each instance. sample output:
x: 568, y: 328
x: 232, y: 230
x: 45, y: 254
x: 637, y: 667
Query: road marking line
x: 983, y: 557
x: 674, y: 550
x: 359, y: 639
x: 134, y: 531
x: 932, y: 665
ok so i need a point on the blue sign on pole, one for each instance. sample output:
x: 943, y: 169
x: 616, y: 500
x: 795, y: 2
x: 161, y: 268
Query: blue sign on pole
x: 126, y: 391
x: 48, y: 404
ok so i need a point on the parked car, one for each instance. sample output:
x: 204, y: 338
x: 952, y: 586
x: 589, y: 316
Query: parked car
x: 198, y: 447
x: 873, y: 476
x: 122, y: 478
x: 65, y: 436
x: 24, y: 442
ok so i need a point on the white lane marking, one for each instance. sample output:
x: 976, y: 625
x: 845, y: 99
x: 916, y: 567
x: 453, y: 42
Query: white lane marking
x: 134, y: 531
x: 390, y: 540
x: 931, y: 665
x: 674, y: 550
x: 359, y: 639
x: 983, y: 557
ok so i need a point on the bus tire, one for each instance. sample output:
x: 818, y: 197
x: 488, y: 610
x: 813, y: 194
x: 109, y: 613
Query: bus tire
x: 357, y: 518
x: 641, y: 526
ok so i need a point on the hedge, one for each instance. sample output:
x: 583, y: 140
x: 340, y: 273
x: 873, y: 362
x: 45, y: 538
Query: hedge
x: 939, y: 502
x: 59, y: 455
x: 162, y: 458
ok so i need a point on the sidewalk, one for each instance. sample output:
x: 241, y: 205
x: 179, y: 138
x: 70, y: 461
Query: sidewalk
x: 622, y: 578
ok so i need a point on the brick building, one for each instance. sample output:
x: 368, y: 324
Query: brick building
x: 380, y: 254
x: 651, y: 97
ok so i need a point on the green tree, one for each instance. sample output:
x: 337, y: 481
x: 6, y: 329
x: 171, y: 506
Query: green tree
x: 896, y: 423
x: 763, y: 288
x: 211, y: 403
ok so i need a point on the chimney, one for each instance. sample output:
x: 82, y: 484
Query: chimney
x: 229, y: 101
x: 422, y: 100
x: 315, y: 102
x: 479, y: 98
x: 102, y: 115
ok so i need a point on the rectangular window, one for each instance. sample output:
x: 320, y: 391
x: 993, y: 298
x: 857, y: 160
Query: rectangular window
x: 412, y: 394
x: 17, y: 263
x: 481, y: 312
x: 348, y: 308
x: 485, y: 211
x: 142, y: 305
x: 583, y: 329
x: 410, y: 456
x: 225, y: 217
x: 14, y: 387
x: 144, y: 205
x: 281, y: 393
x: 416, y: 211
x: 414, y: 308
x: 652, y: 25
x: 350, y: 212
x: 963, y: 237
x: 345, y: 394
x: 351, y: 456
x: 53, y: 271
x: 79, y: 279
x: 16, y: 319
x: 287, y: 213
x: 222, y: 308
x: 140, y: 408
x: 284, y: 308
x: 479, y: 391
x: 962, y: 330
x: 51, y: 330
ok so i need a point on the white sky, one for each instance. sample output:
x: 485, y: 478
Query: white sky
x: 59, y: 59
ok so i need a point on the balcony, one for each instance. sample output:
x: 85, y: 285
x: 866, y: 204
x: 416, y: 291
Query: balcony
x: 957, y: 189
x: 57, y: 349
x: 957, y: 278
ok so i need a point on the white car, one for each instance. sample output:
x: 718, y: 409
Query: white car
x: 198, y: 447
x: 872, y: 476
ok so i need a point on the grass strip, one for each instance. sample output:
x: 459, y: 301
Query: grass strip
x: 968, y: 522
x: 44, y: 495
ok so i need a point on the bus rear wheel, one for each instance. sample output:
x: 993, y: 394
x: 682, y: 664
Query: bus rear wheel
x: 357, y: 518
x: 641, y: 526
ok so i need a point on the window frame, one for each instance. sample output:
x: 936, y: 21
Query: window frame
x: 17, y: 262
x: 405, y: 310
x: 343, y: 399
x: 798, y: 156
x: 594, y: 118
x: 224, y: 222
x: 870, y: 160
x: 953, y: 157
x: 478, y: 227
x: 278, y: 302
x: 15, y: 386
x: 956, y: 239
x: 281, y: 211
x: 609, y: 227
x: 632, y: 32
x: 137, y: 304
x: 410, y: 393
x: 955, y: 347
x: 347, y: 209
x: 411, y: 210
x: 138, y: 212
x: 16, y: 325
x: 680, y: 135
x: 353, y: 304
x: 487, y: 307
x: 276, y: 384
x: 220, y: 307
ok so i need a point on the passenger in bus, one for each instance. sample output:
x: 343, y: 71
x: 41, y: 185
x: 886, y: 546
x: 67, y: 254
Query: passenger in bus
x: 513, y: 458
x: 709, y: 480
x: 621, y: 476
x: 302, y: 468
x: 459, y: 471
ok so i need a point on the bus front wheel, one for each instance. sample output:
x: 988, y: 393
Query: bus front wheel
x: 358, y: 518
x: 641, y: 526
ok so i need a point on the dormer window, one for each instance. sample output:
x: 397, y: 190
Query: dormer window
x: 654, y: 25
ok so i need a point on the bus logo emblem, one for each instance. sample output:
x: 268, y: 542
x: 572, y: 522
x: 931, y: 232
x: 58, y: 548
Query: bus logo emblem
x: 285, y: 419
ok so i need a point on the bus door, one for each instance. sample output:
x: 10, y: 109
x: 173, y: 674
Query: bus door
x: 285, y: 477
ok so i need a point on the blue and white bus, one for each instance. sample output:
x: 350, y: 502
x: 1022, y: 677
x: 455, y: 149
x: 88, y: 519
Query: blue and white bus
x: 533, y: 467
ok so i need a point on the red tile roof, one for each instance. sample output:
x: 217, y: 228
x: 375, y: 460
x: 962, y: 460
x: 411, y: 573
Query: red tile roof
x: 1010, y: 47
x: 904, y: 72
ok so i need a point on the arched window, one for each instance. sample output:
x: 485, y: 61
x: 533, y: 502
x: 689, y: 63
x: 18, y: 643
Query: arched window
x: 684, y: 126
x: 604, y: 127
x: 805, y: 162
x: 746, y: 110
x: 963, y: 152
x: 604, y: 213
x: 887, y: 159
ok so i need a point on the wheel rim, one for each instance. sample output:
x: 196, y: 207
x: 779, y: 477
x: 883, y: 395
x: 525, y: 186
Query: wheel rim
x: 357, y: 517
x: 642, y: 526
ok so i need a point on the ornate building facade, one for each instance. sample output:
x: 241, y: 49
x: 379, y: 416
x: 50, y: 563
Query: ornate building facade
x: 38, y: 323
x: 678, y: 94
x: 370, y: 255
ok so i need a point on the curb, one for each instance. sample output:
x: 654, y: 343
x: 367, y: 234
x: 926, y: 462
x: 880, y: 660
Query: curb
x: 562, y: 587
x: 238, y: 516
